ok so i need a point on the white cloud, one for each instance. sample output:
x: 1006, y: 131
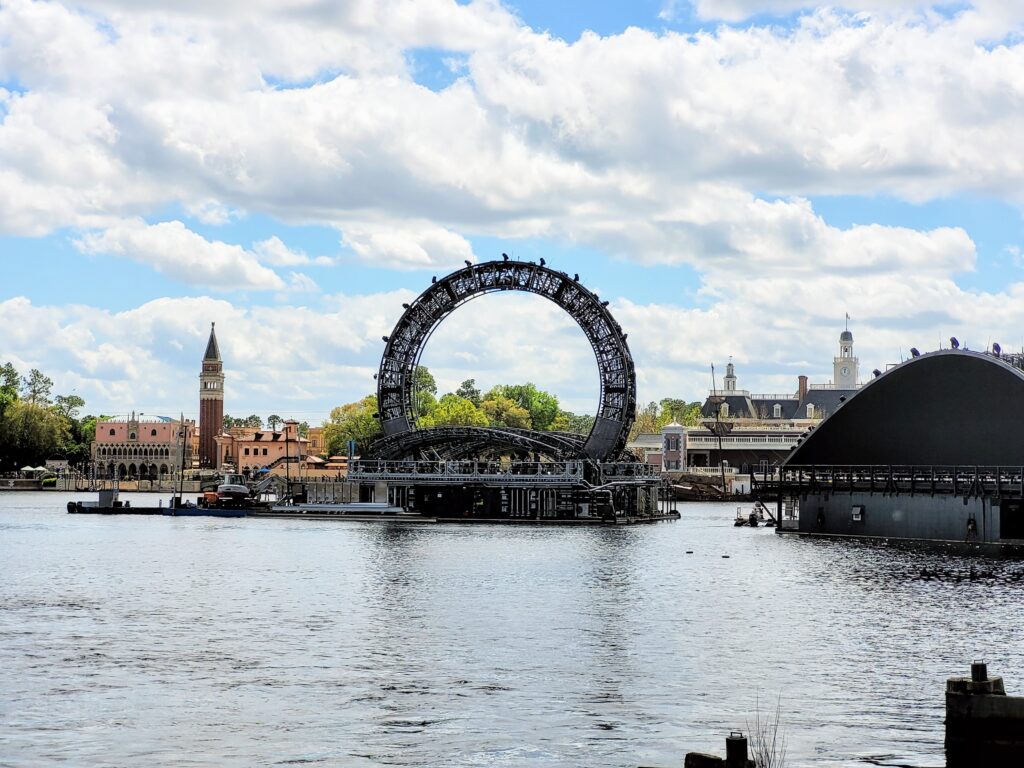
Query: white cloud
x: 173, y: 249
x: 302, y: 283
x: 408, y: 245
x: 295, y: 359
x: 698, y: 149
x: 540, y: 138
x: 991, y: 11
x: 273, y: 251
x: 211, y: 212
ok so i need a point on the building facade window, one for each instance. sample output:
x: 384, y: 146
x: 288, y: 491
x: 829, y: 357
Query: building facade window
x: 777, y: 411
x: 246, y: 451
x: 810, y: 410
x: 724, y: 410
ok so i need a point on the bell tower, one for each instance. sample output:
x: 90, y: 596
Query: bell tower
x: 845, y: 365
x: 730, y: 377
x: 211, y: 402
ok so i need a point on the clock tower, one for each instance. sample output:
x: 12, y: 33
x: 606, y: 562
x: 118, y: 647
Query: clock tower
x: 845, y: 366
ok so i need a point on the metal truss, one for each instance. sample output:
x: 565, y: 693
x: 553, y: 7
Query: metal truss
x: 395, y: 389
x: 523, y: 473
x: 450, y: 443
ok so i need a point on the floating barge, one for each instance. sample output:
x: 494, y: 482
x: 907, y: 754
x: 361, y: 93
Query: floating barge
x: 931, y: 450
x: 108, y: 503
x: 566, y: 492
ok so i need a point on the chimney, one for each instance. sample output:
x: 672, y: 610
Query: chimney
x: 801, y: 387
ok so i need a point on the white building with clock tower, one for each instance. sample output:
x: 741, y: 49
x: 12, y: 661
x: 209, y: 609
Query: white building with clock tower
x: 845, y: 365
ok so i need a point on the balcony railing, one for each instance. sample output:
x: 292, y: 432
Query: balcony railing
x: 742, y: 441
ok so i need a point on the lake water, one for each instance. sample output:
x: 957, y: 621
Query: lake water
x: 203, y: 642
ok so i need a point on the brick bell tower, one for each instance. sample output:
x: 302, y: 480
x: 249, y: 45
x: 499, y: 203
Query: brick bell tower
x: 211, y: 402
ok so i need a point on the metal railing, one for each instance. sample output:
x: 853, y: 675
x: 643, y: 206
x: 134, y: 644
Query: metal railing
x: 528, y: 472
x: 956, y: 480
x: 712, y: 471
x: 732, y: 441
x: 628, y: 469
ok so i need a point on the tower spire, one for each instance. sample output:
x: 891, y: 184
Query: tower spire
x: 212, y: 348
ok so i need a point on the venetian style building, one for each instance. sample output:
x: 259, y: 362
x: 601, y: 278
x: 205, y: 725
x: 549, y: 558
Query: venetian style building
x: 142, y: 447
x: 211, y: 402
x: 247, y: 449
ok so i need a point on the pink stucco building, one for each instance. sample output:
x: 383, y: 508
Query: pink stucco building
x: 142, y: 447
x: 254, y: 449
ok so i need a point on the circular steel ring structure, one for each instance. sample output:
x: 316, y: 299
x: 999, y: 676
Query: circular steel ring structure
x: 395, y: 390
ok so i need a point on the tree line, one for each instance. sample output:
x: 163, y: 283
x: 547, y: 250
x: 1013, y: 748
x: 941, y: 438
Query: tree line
x: 35, y: 425
x: 521, y: 406
x: 252, y: 421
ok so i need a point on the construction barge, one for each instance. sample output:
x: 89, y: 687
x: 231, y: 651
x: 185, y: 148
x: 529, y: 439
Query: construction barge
x: 573, y: 492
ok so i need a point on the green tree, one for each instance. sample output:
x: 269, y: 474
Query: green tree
x: 252, y: 421
x: 32, y: 433
x: 273, y: 420
x: 503, y: 411
x: 469, y: 391
x: 352, y: 421
x: 68, y: 406
x: 230, y: 422
x: 424, y: 404
x: 543, y: 407
x: 567, y: 421
x: 455, y: 411
x: 9, y: 381
x: 648, y: 420
x: 423, y: 380
x: 424, y: 391
x: 83, y: 432
x: 36, y: 387
x: 303, y: 429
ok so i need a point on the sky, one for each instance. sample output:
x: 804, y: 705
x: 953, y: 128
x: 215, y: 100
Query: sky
x: 734, y: 176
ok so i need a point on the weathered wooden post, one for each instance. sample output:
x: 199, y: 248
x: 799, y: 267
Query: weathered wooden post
x: 984, y: 726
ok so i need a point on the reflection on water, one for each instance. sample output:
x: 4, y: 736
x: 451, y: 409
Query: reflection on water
x: 187, y: 641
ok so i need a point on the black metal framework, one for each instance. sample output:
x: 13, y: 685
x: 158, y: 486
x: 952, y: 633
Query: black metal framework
x: 617, y: 405
x: 893, y: 480
x: 462, y: 442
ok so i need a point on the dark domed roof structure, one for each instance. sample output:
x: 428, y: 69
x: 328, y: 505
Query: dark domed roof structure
x: 846, y: 336
x: 950, y: 407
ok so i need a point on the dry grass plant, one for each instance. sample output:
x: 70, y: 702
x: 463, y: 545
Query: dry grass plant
x: 767, y: 740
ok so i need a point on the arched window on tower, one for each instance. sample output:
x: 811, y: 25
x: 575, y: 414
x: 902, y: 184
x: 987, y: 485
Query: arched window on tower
x: 152, y: 432
x: 112, y: 433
